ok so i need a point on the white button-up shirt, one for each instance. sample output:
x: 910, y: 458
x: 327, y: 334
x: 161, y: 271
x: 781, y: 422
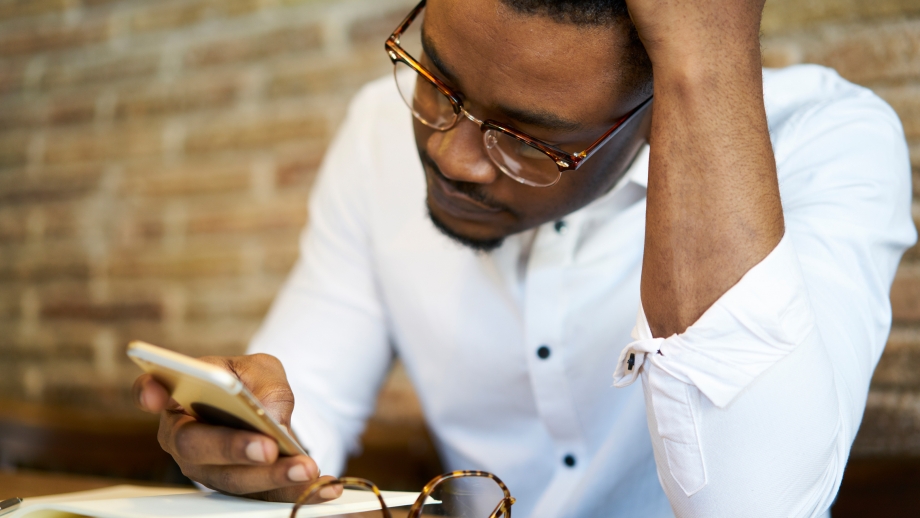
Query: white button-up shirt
x: 750, y: 412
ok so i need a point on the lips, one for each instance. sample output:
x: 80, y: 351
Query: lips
x: 457, y: 204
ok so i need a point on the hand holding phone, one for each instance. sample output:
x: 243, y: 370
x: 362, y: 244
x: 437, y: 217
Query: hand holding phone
x: 231, y: 460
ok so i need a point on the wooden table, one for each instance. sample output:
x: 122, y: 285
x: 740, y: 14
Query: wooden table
x: 27, y: 483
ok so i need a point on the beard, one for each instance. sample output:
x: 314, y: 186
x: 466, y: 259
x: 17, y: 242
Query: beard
x: 472, y: 190
x: 477, y: 245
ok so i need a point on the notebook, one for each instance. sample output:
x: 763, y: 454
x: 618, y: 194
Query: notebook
x: 145, y: 502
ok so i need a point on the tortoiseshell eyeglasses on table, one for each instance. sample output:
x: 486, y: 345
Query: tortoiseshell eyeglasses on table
x: 458, y: 494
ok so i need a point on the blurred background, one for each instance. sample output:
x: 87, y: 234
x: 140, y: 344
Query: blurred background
x: 155, y: 161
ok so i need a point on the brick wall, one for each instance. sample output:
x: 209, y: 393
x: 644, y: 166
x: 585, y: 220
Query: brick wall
x: 875, y: 43
x: 155, y: 159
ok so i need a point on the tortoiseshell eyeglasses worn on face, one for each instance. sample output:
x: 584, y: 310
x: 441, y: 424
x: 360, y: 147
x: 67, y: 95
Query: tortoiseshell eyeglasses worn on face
x: 522, y: 157
x: 458, y: 494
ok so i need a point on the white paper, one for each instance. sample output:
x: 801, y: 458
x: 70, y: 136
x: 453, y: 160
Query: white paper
x: 204, y: 504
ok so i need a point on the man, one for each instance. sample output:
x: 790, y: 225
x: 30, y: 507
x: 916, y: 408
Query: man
x: 757, y: 237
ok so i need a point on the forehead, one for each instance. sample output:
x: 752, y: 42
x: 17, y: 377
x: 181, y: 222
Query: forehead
x: 501, y: 57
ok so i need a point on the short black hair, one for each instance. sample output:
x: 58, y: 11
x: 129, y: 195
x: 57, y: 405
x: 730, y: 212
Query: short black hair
x: 588, y: 12
x: 596, y: 12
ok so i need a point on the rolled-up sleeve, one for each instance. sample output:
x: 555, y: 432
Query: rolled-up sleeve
x: 752, y: 409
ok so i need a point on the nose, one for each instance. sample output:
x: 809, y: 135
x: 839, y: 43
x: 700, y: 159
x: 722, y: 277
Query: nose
x: 460, y: 155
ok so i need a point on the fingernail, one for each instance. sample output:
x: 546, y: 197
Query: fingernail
x: 298, y: 473
x: 328, y: 492
x: 145, y: 396
x: 255, y: 452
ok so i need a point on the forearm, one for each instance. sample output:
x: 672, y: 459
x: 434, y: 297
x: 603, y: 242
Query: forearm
x: 713, y: 199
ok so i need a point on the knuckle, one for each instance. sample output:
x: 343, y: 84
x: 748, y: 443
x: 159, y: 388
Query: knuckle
x: 184, y: 444
x: 163, y: 436
x: 234, y: 449
x: 227, y: 481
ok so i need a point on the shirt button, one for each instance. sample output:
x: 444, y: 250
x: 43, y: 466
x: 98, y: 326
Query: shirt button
x: 569, y: 460
x: 543, y: 352
x: 560, y: 227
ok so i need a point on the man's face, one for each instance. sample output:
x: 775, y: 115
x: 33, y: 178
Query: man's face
x: 565, y: 84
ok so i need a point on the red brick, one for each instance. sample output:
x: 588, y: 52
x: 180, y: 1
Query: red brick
x: 17, y: 113
x: 256, y: 47
x: 375, y: 29
x: 12, y: 225
x: 13, y: 149
x: 218, y: 336
x: 864, y: 53
x: 10, y: 298
x: 64, y: 73
x: 72, y: 109
x: 54, y: 260
x: 218, y: 256
x: 208, y: 175
x: 916, y: 182
x: 211, y: 299
x: 905, y: 294
x: 298, y: 170
x: 21, y: 8
x: 906, y: 102
x: 239, y: 133
x: 786, y: 15
x: 47, y: 37
x: 122, y: 302
x: 900, y: 363
x: 346, y: 75
x: 12, y: 73
x: 166, y: 15
x: 913, y: 254
x: 241, y: 215
x: 205, y: 92
x: 96, y: 145
x: 50, y: 184
x: 48, y: 220
x: 891, y: 424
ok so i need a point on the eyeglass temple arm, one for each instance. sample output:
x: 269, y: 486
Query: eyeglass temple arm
x: 405, y: 23
x: 503, y: 509
x: 578, y: 158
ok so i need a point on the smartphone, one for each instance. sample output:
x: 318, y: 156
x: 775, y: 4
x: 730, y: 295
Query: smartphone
x: 210, y: 394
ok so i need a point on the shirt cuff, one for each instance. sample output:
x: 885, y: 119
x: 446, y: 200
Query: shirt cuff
x: 752, y: 326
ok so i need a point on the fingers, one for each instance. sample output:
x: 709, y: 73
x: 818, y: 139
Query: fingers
x: 293, y: 474
x: 292, y: 493
x: 197, y: 443
x: 264, y: 376
x: 229, y: 460
x: 149, y: 395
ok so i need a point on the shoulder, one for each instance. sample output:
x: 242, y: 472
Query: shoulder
x: 841, y: 154
x: 804, y: 102
x: 829, y: 132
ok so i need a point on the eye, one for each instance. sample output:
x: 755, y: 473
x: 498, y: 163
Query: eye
x: 526, y: 151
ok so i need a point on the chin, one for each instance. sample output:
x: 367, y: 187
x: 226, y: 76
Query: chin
x: 477, y: 243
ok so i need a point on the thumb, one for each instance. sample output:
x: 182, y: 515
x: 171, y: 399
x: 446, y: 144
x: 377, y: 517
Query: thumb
x: 265, y: 378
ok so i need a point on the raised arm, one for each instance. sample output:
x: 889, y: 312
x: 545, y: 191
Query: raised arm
x: 762, y: 321
x: 713, y: 199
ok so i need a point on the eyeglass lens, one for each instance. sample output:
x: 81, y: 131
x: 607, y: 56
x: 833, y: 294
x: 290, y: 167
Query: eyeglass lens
x: 515, y: 158
x: 358, y: 493
x: 464, y: 497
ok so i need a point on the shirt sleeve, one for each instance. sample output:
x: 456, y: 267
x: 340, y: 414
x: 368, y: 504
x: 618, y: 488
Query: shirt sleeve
x: 327, y: 324
x: 752, y: 410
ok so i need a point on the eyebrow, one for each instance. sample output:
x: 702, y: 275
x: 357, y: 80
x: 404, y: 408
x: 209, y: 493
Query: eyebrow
x: 540, y: 119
